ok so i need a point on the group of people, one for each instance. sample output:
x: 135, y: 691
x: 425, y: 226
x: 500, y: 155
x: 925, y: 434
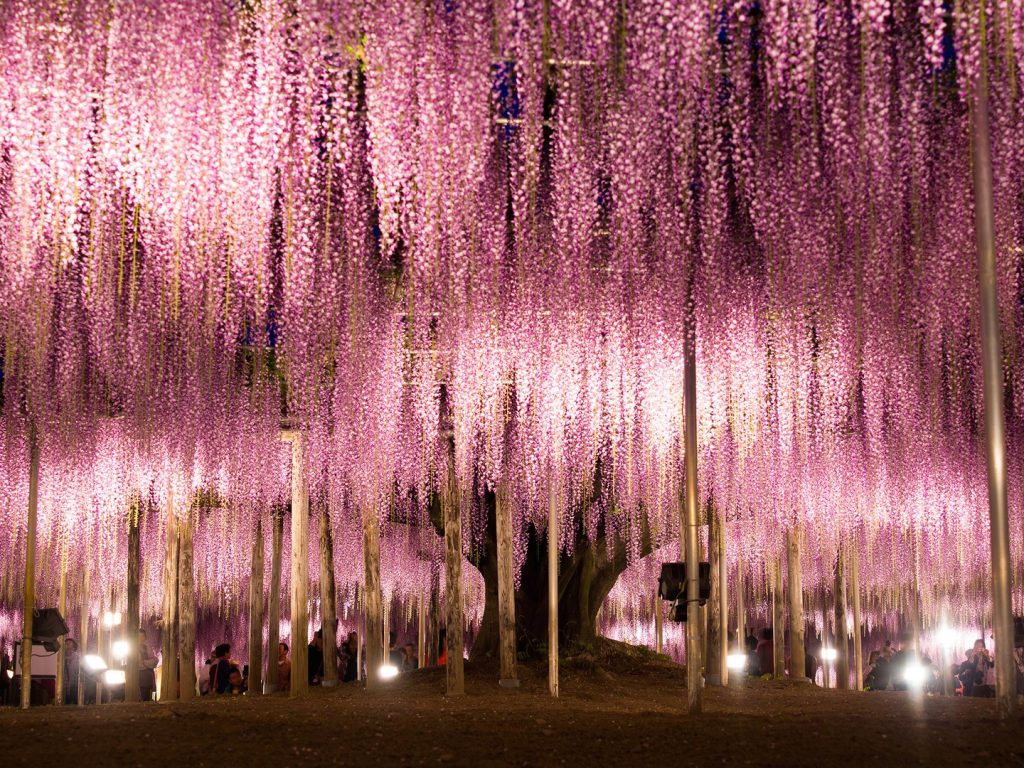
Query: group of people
x: 896, y: 666
x: 973, y: 676
x: 760, y: 653
x: 222, y: 675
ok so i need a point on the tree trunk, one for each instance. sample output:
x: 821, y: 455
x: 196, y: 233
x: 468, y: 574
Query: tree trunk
x: 584, y: 580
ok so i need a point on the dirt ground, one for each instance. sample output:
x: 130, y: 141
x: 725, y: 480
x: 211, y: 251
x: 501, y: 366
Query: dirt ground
x: 627, y: 712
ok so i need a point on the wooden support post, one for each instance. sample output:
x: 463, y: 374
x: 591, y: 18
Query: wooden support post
x: 718, y: 606
x: 841, y: 628
x: 274, y: 603
x: 796, y: 606
x: 858, y: 651
x: 553, y: 551
x: 741, y: 611
x: 455, y: 674
x: 658, y: 624
x: 131, y: 672
x: 328, y: 602
x: 186, y: 613
x: 61, y: 683
x: 256, y: 614
x: 778, y: 623
x: 992, y: 379
x: 723, y: 603
x: 361, y: 642
x: 506, y: 589
x: 373, y: 607
x: 100, y: 650
x: 29, y: 603
x: 421, y: 635
x: 83, y: 631
x: 713, y: 639
x: 434, y: 628
x: 169, y: 624
x: 694, y: 667
x: 300, y: 569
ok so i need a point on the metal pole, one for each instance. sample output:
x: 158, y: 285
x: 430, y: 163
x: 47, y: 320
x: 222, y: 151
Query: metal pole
x: 694, y: 681
x: 991, y: 349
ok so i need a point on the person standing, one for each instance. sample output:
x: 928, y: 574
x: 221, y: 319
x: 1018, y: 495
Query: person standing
x: 147, y: 668
x: 349, y: 659
x: 766, y: 652
x: 315, y: 673
x: 284, y: 668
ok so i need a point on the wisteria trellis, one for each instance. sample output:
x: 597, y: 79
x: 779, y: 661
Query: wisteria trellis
x: 213, y: 214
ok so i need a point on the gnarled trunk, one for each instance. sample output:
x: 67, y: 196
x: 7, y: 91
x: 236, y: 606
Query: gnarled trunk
x: 584, y: 580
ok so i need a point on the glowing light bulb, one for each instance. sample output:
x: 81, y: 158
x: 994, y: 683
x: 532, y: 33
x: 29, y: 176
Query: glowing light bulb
x: 915, y: 675
x: 94, y: 663
x: 114, y: 677
x: 829, y: 654
x: 388, y: 672
x: 120, y: 649
x: 736, y: 661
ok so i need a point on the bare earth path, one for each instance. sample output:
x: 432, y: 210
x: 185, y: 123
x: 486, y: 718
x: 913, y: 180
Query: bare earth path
x: 631, y: 716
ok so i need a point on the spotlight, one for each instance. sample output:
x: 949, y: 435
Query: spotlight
x: 111, y: 618
x: 114, y: 677
x: 829, y: 654
x: 94, y: 663
x: 388, y: 672
x: 10, y: 673
x: 736, y: 661
x: 120, y: 649
x: 915, y: 675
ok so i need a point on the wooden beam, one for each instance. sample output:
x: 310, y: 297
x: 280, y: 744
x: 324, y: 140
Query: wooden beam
x: 255, y: 684
x: 328, y: 602
x: 796, y: 606
x: 169, y: 621
x: 274, y: 603
x: 131, y: 672
x: 29, y: 602
x: 373, y: 609
x: 455, y: 673
x: 506, y: 588
x: 186, y: 613
x: 300, y: 570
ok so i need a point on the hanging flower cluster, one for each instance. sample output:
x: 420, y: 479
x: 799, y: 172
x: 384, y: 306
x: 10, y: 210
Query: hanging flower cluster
x: 460, y: 231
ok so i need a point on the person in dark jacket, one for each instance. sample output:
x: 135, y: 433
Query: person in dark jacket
x: 766, y: 652
x: 316, y: 658
x: 220, y: 669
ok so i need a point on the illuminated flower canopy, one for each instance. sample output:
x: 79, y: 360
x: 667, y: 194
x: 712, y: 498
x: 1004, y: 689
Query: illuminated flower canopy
x: 371, y: 217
